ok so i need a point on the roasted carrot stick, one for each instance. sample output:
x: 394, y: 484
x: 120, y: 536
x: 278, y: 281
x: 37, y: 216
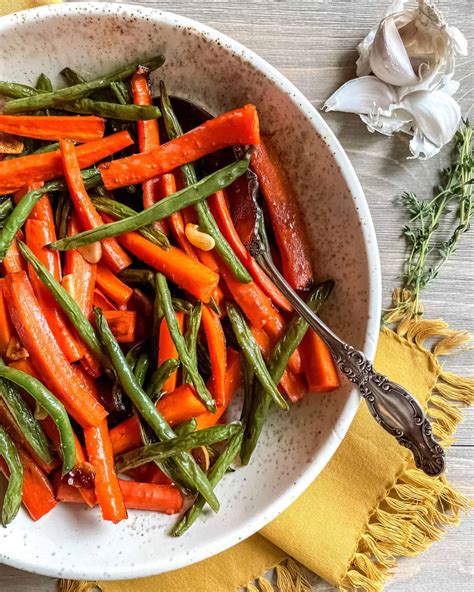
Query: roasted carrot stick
x: 148, y: 135
x: 107, y: 489
x: 190, y: 275
x: 149, y: 473
x: 38, y: 234
x: 18, y: 172
x: 13, y: 261
x: 112, y: 254
x: 217, y: 351
x: 37, y: 493
x: 235, y: 127
x: 6, y: 327
x: 122, y: 324
x: 136, y: 496
x: 319, y: 366
x: 42, y: 210
x: 82, y: 273
x: 101, y: 301
x: 287, y: 223
x: 222, y: 215
x: 167, y: 349
x: 76, y: 128
x: 33, y: 330
x: 111, y: 286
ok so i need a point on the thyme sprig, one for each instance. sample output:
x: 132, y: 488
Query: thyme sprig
x: 427, y: 251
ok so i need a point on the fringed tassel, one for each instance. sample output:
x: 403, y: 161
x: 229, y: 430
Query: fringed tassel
x: 78, y: 586
x: 290, y: 577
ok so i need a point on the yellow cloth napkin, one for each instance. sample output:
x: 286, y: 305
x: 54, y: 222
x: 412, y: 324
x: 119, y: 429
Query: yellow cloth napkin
x: 369, y: 505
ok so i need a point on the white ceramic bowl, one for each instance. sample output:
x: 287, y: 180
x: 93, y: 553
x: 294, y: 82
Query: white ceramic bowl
x: 220, y: 74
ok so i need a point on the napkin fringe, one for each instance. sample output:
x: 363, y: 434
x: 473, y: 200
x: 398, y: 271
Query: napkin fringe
x: 78, y: 586
x: 416, y: 508
x: 289, y: 578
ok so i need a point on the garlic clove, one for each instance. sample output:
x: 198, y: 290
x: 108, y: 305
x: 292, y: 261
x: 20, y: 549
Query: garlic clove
x: 436, y: 115
x: 362, y: 96
x: 397, y: 121
x: 389, y: 60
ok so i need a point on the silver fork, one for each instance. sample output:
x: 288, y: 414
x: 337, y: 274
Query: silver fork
x: 392, y: 406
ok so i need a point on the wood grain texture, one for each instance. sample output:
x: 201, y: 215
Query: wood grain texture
x: 313, y: 42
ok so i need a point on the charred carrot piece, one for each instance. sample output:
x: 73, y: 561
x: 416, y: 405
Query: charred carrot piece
x: 221, y: 213
x: 76, y: 128
x: 113, y: 255
x: 190, y: 275
x: 235, y: 127
x: 107, y: 488
x: 149, y: 473
x: 18, y: 172
x: 148, y: 134
x: 33, y: 330
x: 37, y: 492
x: 122, y: 324
x: 6, y: 327
x: 111, y: 286
x: 167, y: 349
x: 217, y: 351
x: 319, y: 366
x: 38, y: 235
x: 287, y: 223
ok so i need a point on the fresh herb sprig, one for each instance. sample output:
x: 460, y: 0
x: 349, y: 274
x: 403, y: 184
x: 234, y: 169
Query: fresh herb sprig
x: 427, y: 252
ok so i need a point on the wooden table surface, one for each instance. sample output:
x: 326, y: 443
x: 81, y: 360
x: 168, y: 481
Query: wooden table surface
x: 313, y: 42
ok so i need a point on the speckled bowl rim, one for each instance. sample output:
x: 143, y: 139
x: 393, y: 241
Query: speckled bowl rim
x: 373, y: 261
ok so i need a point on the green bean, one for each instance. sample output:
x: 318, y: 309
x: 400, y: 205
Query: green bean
x: 187, y: 427
x: 121, y: 92
x: 216, y: 473
x: 48, y: 148
x: 180, y: 344
x: 277, y: 363
x: 249, y: 389
x: 160, y: 376
x: 52, y: 406
x: 121, y: 211
x: 23, y: 209
x: 253, y: 355
x: 137, y: 276
x: 71, y: 77
x: 16, y: 91
x: 141, y: 368
x: 161, y: 450
x: 68, y: 305
x: 181, y: 305
x: 133, y: 354
x: 205, y: 217
x: 193, y: 475
x: 6, y: 208
x: 25, y: 420
x: 63, y: 214
x: 13, y: 494
x: 162, y: 209
x: 111, y: 110
x: 71, y: 93
x: 44, y: 83
x: 190, y: 337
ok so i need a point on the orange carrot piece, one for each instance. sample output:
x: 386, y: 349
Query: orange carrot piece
x: 101, y: 301
x: 13, y: 261
x: 54, y: 127
x: 18, y: 172
x: 148, y: 136
x: 287, y: 222
x: 319, y: 366
x: 165, y: 186
x: 192, y: 276
x: 167, y: 349
x: 6, y: 327
x: 111, y: 286
x: 38, y: 234
x: 149, y: 473
x: 107, y: 488
x: 33, y: 330
x: 122, y: 324
x: 235, y: 127
x: 112, y: 254
x: 43, y: 209
x: 217, y: 351
x: 37, y: 493
x: 221, y: 213
x: 136, y: 496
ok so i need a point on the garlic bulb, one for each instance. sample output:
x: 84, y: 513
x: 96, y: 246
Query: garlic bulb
x: 405, y: 70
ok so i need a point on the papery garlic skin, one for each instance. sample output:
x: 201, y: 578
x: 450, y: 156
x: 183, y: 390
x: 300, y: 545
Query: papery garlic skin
x: 405, y: 70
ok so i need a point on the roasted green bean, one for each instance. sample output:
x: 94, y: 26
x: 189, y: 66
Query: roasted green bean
x: 13, y: 494
x: 44, y: 83
x: 190, y: 338
x: 194, y: 476
x: 162, y: 209
x: 160, y: 376
x: 52, y: 406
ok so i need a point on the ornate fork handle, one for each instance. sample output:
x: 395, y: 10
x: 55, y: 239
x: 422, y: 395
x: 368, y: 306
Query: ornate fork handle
x: 393, y: 407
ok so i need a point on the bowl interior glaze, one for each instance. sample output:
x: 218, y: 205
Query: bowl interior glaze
x: 219, y: 74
